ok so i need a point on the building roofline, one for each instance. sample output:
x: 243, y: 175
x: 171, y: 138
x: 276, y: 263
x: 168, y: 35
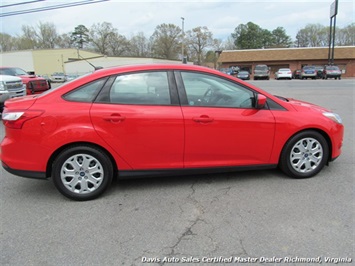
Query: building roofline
x: 285, y: 54
x: 281, y: 49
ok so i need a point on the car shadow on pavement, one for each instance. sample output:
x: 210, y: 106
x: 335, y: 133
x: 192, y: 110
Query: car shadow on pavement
x: 186, y: 180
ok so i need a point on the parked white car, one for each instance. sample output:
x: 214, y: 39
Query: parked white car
x: 58, y: 77
x: 283, y: 73
x: 10, y: 87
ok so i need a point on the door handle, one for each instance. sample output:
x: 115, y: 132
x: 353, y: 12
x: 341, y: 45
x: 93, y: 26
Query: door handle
x: 114, y: 118
x: 203, y: 119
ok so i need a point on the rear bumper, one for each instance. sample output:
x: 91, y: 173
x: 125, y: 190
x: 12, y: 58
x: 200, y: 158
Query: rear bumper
x: 309, y: 75
x: 333, y: 75
x: 24, y: 173
x: 284, y: 76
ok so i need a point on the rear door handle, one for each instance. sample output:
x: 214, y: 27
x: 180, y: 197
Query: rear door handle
x: 114, y: 118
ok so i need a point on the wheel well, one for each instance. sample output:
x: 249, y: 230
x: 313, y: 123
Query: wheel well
x: 55, y: 154
x: 324, y: 134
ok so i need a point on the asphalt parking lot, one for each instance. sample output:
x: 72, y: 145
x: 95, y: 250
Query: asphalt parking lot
x: 223, y: 219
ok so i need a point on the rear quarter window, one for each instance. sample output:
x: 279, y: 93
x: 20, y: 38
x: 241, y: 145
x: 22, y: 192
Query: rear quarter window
x: 85, y: 93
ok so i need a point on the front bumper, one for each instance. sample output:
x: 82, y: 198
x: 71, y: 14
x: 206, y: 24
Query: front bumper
x: 4, y: 95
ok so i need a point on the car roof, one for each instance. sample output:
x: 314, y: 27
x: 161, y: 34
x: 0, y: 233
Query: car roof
x: 144, y: 67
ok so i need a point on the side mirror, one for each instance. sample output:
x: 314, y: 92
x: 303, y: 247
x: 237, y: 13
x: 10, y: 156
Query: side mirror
x: 260, y: 101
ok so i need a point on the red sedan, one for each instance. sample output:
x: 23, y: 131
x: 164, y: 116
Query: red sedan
x: 151, y: 120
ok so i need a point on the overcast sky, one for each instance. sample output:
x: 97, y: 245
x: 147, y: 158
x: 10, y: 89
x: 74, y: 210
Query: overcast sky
x: 220, y: 16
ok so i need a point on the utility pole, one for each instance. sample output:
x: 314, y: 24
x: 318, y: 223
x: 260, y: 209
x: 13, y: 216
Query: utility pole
x: 182, y: 41
x: 333, y: 14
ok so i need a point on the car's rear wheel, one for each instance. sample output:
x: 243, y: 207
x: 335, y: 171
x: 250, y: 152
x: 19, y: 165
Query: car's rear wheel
x: 304, y: 155
x: 82, y: 172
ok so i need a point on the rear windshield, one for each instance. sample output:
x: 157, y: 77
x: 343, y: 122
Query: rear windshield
x: 332, y: 67
x: 261, y: 68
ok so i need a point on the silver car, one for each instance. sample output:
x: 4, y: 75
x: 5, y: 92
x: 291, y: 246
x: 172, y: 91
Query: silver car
x: 10, y: 87
x: 261, y: 72
x: 309, y: 72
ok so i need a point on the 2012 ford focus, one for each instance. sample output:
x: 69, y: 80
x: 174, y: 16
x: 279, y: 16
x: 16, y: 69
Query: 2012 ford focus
x: 151, y: 120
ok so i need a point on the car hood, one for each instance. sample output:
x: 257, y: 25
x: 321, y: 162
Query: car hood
x: 302, y: 106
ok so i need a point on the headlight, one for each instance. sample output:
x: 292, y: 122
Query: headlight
x: 335, y: 117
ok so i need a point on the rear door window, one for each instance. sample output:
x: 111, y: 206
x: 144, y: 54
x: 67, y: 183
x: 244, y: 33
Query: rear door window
x: 141, y: 88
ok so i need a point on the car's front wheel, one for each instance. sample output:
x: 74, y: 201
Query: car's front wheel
x: 304, y: 155
x: 82, y: 172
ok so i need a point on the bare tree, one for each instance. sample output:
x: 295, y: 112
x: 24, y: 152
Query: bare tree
x: 99, y: 36
x: 47, y: 36
x: 198, y: 40
x: 140, y: 45
x: 166, y: 41
x: 346, y: 36
x: 117, y: 44
x: 65, y: 41
x: 228, y: 44
x: 313, y: 35
x: 7, y: 42
x: 28, y: 38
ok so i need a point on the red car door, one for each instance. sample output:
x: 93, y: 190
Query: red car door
x: 139, y: 122
x: 221, y: 126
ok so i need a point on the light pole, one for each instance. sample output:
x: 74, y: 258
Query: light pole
x: 183, y: 39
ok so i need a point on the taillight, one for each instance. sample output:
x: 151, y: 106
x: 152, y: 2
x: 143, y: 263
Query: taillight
x: 17, y: 119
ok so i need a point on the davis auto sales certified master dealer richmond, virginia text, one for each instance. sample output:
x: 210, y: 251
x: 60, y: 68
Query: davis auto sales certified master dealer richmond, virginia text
x: 233, y: 259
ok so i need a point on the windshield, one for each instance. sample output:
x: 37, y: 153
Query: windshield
x: 13, y: 71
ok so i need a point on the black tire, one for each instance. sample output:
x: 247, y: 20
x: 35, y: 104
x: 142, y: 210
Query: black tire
x: 304, y: 155
x: 90, y: 175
